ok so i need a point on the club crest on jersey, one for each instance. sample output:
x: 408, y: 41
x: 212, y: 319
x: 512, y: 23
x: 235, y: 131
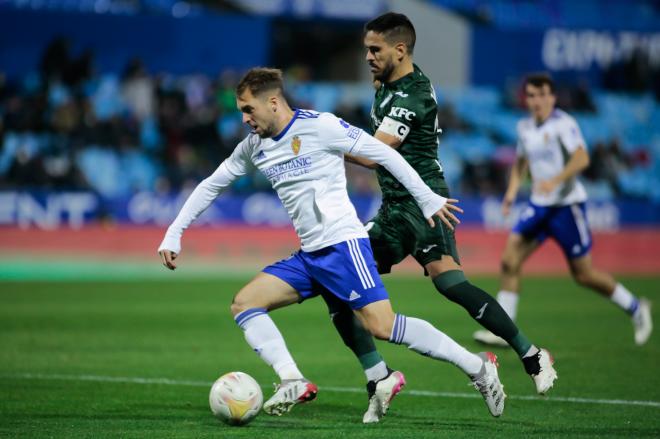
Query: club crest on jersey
x: 295, y: 144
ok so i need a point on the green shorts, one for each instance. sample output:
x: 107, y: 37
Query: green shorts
x: 400, y: 229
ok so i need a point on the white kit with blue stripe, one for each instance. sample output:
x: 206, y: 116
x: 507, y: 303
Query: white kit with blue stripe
x: 305, y: 166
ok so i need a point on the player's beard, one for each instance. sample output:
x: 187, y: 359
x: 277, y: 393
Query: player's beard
x: 385, y: 74
x: 268, y: 132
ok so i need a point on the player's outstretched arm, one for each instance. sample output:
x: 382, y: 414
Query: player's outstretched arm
x: 517, y: 174
x: 167, y: 257
x: 387, y: 139
x: 429, y: 202
x: 198, y: 201
x: 360, y: 161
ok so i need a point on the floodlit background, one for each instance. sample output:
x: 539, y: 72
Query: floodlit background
x: 111, y: 111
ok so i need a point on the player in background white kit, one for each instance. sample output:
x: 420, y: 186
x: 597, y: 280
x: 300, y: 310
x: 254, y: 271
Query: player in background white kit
x: 550, y: 144
x: 302, y: 154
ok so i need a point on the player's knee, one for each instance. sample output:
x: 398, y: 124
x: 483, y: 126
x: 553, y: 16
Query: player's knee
x: 380, y: 332
x: 509, y: 265
x: 379, y: 328
x: 238, y: 305
x: 583, y: 277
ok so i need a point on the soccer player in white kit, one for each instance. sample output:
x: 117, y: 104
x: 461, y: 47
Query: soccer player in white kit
x: 551, y: 145
x: 302, y: 152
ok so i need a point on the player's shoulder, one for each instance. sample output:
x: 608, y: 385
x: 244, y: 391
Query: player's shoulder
x: 331, y: 120
x: 303, y: 114
x: 525, y: 124
x: 248, y: 145
x: 560, y: 116
x: 251, y: 141
x: 418, y: 89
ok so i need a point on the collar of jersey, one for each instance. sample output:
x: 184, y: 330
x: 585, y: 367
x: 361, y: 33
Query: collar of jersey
x: 404, y: 79
x: 286, y: 128
x: 553, y: 115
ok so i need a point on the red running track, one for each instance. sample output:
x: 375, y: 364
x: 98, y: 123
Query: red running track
x: 630, y: 251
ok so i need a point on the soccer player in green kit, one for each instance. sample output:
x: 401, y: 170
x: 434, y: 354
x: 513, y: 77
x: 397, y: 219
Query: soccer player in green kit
x: 404, y: 116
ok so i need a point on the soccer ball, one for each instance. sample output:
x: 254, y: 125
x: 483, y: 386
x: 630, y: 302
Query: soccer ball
x: 236, y: 398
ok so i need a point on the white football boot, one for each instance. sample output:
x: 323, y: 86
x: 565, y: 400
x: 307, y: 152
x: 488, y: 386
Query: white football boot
x: 381, y: 393
x: 487, y: 382
x: 540, y: 367
x: 642, y: 321
x: 290, y: 393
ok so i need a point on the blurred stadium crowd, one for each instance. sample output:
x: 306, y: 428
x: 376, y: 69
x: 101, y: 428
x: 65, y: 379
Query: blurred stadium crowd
x: 70, y: 127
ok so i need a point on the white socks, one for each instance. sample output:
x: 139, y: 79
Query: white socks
x: 377, y: 372
x: 624, y: 299
x: 267, y: 341
x: 422, y: 337
x: 508, y: 300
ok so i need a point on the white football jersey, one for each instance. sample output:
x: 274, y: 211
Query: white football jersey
x: 305, y: 165
x: 547, y: 148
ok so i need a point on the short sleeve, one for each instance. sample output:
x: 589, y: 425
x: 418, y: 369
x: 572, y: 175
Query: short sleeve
x: 570, y: 134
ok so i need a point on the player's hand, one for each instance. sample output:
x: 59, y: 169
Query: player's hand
x: 446, y: 215
x: 168, y: 257
x: 546, y: 186
x: 507, y: 202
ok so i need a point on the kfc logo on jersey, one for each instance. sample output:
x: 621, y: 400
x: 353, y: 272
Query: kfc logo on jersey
x: 401, y: 112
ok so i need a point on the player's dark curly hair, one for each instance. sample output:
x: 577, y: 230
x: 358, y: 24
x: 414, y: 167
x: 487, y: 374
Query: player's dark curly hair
x: 539, y: 80
x: 395, y: 28
x: 259, y: 80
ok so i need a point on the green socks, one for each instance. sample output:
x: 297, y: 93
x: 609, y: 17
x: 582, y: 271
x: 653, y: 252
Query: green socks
x: 358, y: 339
x: 482, y: 307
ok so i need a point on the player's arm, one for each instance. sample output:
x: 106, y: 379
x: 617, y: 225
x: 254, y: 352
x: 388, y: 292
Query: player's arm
x: 518, y: 173
x: 390, y: 132
x: 578, y: 162
x: 351, y: 140
x: 429, y: 202
x: 198, y: 201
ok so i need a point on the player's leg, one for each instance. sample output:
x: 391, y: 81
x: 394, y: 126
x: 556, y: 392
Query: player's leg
x: 526, y: 236
x: 423, y: 338
x: 571, y: 230
x: 517, y: 250
x: 383, y: 383
x: 356, y: 338
x: 639, y: 309
x: 280, y: 284
x: 450, y: 280
x: 359, y: 285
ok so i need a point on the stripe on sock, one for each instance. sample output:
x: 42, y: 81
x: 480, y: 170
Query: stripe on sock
x: 248, y: 314
x: 399, y: 329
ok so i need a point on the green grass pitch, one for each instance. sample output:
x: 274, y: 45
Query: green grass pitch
x: 136, y: 359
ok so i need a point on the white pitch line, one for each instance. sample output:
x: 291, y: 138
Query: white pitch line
x: 171, y: 382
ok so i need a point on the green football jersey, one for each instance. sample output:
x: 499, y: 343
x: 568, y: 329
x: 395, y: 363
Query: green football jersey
x: 408, y: 106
